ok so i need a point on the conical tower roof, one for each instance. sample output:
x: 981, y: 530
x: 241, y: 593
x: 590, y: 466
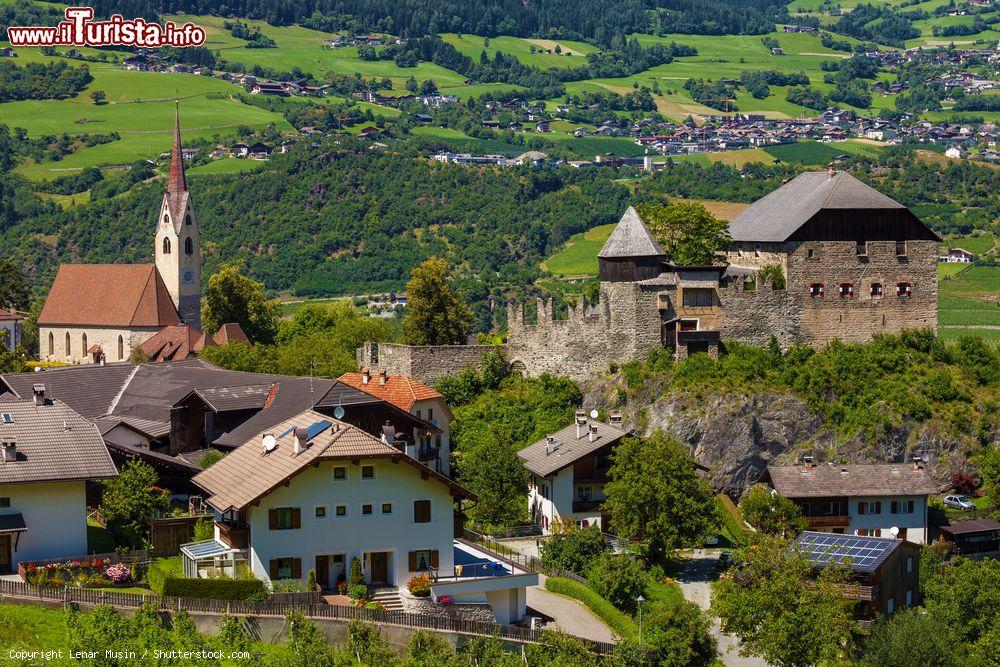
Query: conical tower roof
x: 177, y: 191
x: 631, y: 238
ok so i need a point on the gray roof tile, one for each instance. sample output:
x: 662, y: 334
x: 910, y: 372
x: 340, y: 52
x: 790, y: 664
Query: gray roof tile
x: 631, y: 238
x: 850, y: 480
x: 566, y: 448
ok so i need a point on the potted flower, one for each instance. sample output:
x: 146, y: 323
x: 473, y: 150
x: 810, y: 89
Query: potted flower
x: 419, y: 585
x: 342, y: 587
x: 445, y: 599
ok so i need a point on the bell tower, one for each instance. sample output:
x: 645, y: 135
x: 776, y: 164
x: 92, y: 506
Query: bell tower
x: 178, y: 245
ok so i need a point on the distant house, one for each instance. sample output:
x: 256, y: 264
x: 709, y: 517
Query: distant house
x: 369, y: 132
x: 777, y: 51
x: 11, y: 327
x: 239, y: 150
x: 959, y: 256
x: 7, y: 52
x: 885, y: 572
x: 953, y: 152
x: 569, y: 469
x: 865, y: 500
x: 287, y: 145
x: 542, y: 126
x: 49, y: 453
x: 259, y: 151
x: 268, y: 88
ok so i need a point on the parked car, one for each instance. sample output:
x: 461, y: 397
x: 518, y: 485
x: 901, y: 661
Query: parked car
x: 725, y: 558
x: 959, y: 503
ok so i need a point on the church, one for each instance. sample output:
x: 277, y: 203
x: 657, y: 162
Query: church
x: 98, y: 313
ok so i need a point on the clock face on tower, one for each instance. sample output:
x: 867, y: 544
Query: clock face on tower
x: 189, y: 276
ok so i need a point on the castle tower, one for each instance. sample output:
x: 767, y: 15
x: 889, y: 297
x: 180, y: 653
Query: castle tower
x: 178, y: 246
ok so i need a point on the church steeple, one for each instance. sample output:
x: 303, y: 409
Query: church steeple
x: 178, y: 245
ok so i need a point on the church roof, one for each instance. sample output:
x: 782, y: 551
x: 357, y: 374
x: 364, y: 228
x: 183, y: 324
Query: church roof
x: 109, y: 295
x: 631, y: 238
x: 778, y: 215
x: 177, y: 192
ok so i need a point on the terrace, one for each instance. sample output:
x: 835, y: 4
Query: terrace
x: 479, y: 570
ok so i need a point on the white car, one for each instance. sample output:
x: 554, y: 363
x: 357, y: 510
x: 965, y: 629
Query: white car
x: 959, y: 503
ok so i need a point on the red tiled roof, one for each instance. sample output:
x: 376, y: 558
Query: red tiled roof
x: 399, y: 390
x: 176, y: 342
x: 120, y: 295
x: 230, y: 332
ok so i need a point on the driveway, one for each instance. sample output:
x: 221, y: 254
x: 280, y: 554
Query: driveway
x: 695, y: 582
x: 569, y: 615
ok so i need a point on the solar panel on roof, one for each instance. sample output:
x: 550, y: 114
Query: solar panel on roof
x: 863, y: 553
x: 317, y: 428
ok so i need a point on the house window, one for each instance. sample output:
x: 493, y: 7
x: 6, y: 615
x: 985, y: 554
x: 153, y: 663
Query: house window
x: 870, y: 507
x: 876, y: 291
x: 846, y: 290
x: 121, y: 348
x: 5, y: 502
x: 816, y: 290
x: 285, y: 568
x: 339, y: 473
x: 831, y: 508
x: 188, y: 246
x: 583, y: 492
x: 909, y: 564
x: 367, y: 472
x: 367, y: 509
x: 285, y: 518
x: 695, y: 297
x: 890, y: 606
x: 340, y: 511
x: 903, y: 289
x: 900, y: 248
x: 430, y: 415
x: 861, y: 248
x: 386, y: 508
x: 901, y: 507
x: 909, y: 597
x: 320, y: 512
x: 869, y: 532
x: 422, y: 559
x: 166, y: 245
x: 421, y: 511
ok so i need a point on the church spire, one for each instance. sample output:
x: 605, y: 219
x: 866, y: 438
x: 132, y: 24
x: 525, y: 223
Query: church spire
x: 176, y: 182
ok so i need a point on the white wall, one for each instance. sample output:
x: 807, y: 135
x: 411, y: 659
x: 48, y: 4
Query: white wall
x: 355, y: 535
x: 915, y: 523
x: 559, y: 505
x: 56, y: 516
x: 442, y: 419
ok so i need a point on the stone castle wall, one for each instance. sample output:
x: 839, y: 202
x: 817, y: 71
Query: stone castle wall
x: 427, y: 363
x: 753, y: 316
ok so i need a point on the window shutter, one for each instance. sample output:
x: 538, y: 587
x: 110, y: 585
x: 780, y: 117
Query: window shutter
x: 893, y: 507
x: 296, y: 517
x: 434, y: 558
x: 878, y: 507
x: 272, y: 521
x: 909, y: 507
x: 272, y: 566
x: 861, y: 508
x: 421, y: 511
x: 413, y: 561
x: 296, y: 568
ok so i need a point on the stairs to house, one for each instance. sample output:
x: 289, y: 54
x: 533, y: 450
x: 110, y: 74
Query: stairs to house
x: 389, y: 597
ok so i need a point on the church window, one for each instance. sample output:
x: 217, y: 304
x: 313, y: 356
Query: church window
x: 69, y: 351
x: 83, y: 344
x: 188, y: 246
x: 166, y: 218
x: 166, y: 245
x: 121, y: 348
x: 52, y: 343
x: 187, y: 219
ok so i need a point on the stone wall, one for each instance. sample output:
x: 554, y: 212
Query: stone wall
x: 427, y: 363
x: 464, y: 611
x: 753, y: 316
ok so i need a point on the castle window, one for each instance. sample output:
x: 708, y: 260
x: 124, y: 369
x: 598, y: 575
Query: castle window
x: 121, y: 348
x: 69, y: 350
x: 876, y: 290
x: 188, y: 246
x: 903, y: 289
x: 697, y: 297
x: 83, y: 344
x: 52, y: 343
x: 816, y: 289
x: 846, y: 290
x: 900, y: 248
x: 810, y: 253
x: 166, y: 245
x: 861, y: 249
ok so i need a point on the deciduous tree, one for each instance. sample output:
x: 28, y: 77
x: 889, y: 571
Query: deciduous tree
x: 132, y: 497
x: 688, y: 233
x: 438, y: 315
x: 14, y: 292
x: 234, y: 297
x: 771, y: 513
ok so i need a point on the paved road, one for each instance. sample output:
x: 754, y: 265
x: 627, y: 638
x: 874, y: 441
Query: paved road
x: 570, y: 616
x: 695, y: 582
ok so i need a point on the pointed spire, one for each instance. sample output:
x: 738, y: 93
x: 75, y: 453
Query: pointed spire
x: 176, y: 182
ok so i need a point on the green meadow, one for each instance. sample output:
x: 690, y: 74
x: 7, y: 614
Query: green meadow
x: 573, y: 54
x: 578, y: 257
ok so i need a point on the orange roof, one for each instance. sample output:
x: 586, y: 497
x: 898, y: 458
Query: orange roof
x: 176, y: 342
x: 119, y: 295
x: 399, y: 390
x: 230, y: 332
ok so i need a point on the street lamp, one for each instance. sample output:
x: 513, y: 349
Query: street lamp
x: 640, y: 600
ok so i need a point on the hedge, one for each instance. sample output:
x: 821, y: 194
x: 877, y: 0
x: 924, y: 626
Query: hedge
x: 622, y: 624
x: 732, y: 520
x: 165, y: 578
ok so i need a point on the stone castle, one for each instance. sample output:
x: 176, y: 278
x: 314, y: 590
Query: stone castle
x: 840, y: 261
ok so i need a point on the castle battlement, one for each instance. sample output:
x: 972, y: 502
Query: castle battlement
x: 577, y: 314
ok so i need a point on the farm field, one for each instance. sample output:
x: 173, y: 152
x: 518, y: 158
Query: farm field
x: 223, y: 166
x: 574, y: 54
x: 974, y: 244
x: 969, y: 300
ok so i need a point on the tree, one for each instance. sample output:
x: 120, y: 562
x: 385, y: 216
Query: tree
x: 779, y: 611
x: 573, y: 548
x: 132, y: 497
x: 11, y: 361
x: 307, y: 645
x: 430, y: 649
x: 14, y: 292
x: 495, y: 473
x: 771, y: 513
x: 621, y: 579
x: 688, y: 233
x: 366, y: 642
x: 676, y: 634
x: 966, y: 598
x: 233, y: 297
x: 989, y: 469
x: 656, y: 495
x: 437, y: 314
x: 911, y: 638
x: 98, y: 96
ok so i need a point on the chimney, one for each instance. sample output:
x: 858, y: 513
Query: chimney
x: 808, y: 461
x: 581, y: 423
x: 39, y: 391
x: 9, y: 451
x: 918, y: 461
x: 366, y: 376
x: 301, y: 441
x: 550, y: 444
x: 615, y: 419
x: 592, y: 436
x: 830, y: 171
x: 382, y: 377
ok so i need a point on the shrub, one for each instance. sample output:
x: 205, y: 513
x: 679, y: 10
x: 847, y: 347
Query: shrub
x: 573, y: 548
x: 677, y: 635
x: 165, y: 578
x: 311, y: 584
x: 357, y: 577
x: 204, y: 529
x: 357, y: 592
x: 617, y: 620
x: 365, y: 642
x: 963, y: 483
x: 429, y: 648
x: 419, y: 585
x: 619, y: 579
x: 775, y: 273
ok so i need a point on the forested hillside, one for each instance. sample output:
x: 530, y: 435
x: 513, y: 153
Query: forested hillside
x: 567, y: 19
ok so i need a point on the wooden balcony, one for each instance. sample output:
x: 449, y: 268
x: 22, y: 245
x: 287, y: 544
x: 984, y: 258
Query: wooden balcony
x: 236, y: 535
x: 425, y: 454
x: 839, y: 521
x: 586, y: 505
x: 858, y: 592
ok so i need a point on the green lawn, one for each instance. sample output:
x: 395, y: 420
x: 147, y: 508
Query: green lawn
x: 979, y: 281
x: 976, y: 244
x: 574, y: 54
x: 99, y: 540
x: 579, y: 256
x: 956, y: 310
x: 229, y: 165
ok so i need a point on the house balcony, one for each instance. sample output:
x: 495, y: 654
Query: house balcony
x: 858, y: 592
x: 428, y: 453
x: 479, y: 570
x: 837, y: 521
x: 586, y: 505
x: 235, y: 535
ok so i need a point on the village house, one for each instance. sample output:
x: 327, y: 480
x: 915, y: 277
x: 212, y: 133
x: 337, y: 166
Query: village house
x: 315, y: 493
x: 958, y: 256
x: 49, y: 455
x: 857, y: 499
x: 11, y: 327
x: 569, y: 469
x: 973, y: 537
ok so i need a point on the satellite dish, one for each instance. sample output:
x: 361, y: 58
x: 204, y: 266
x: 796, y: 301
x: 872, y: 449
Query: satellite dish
x: 269, y: 442
x: 593, y: 414
x: 338, y: 412
x: 894, y: 532
x: 925, y: 457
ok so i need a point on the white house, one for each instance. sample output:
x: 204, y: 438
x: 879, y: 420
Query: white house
x: 959, y: 256
x: 314, y: 492
x: 873, y: 500
x: 49, y: 453
x: 568, y: 471
x: 11, y: 331
x: 953, y: 152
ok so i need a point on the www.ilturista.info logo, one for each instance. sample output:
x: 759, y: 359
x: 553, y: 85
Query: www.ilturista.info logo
x: 79, y: 29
